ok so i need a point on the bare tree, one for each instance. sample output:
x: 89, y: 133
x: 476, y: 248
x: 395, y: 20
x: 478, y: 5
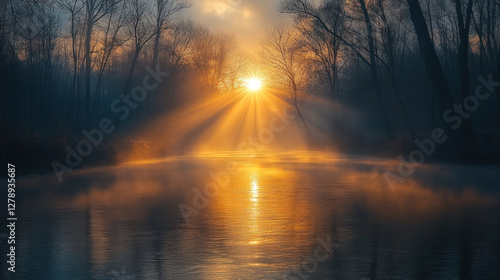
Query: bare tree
x: 165, y: 10
x: 485, y: 23
x: 212, y: 56
x: 35, y: 28
x: 325, y: 47
x: 393, y: 44
x: 74, y: 8
x: 95, y: 11
x: 464, y: 44
x: 141, y: 29
x: 236, y: 71
x: 179, y: 43
x: 285, y: 59
x: 498, y: 89
x: 306, y: 9
x: 464, y: 23
x: 223, y: 61
x: 435, y: 72
x: 112, y: 39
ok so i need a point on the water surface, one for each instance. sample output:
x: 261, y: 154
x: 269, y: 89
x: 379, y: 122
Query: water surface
x: 263, y: 221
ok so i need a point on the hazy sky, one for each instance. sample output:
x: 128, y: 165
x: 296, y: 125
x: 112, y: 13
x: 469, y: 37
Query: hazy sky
x: 247, y: 19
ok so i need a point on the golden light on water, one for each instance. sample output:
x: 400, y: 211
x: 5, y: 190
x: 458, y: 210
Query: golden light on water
x: 264, y: 221
x: 255, y: 188
x: 254, y: 84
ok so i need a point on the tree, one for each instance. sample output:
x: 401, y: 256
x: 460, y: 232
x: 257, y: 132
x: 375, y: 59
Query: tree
x: 112, y: 39
x: 74, y: 8
x: 35, y: 28
x: 485, y: 24
x: 373, y: 65
x: 141, y: 29
x: 213, y: 57
x: 324, y: 47
x: 436, y: 75
x: 464, y: 44
x: 95, y: 11
x: 179, y: 43
x: 393, y: 45
x: 463, y: 55
x: 165, y: 10
x: 285, y: 58
x: 305, y: 9
x: 498, y: 89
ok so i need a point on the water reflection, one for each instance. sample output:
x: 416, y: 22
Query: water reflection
x: 255, y: 188
x: 441, y: 224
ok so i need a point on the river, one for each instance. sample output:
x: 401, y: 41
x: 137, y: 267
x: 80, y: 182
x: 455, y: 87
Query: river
x: 282, y: 215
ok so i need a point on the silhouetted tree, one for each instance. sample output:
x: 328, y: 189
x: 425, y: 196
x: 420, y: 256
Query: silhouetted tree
x: 324, y: 47
x: 141, y: 29
x: 305, y: 9
x: 465, y: 135
x: 284, y: 56
x: 111, y: 39
x: 74, y: 8
x: 95, y: 11
x: 164, y: 11
x: 213, y: 56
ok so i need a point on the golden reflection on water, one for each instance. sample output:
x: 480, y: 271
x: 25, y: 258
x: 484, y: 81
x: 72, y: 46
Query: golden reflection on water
x: 255, y: 188
x: 256, y: 220
x: 263, y: 223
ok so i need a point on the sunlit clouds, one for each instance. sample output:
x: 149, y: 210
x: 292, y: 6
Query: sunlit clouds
x: 248, y: 20
x: 220, y: 7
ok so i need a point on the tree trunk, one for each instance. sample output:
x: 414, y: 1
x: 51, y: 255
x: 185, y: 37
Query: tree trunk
x: 156, y: 49
x: 374, y: 72
x: 72, y: 108
x: 435, y: 72
x: 88, y: 67
x: 130, y: 75
x: 432, y: 65
x: 296, y: 104
x: 498, y: 88
x: 463, y: 51
x: 463, y: 60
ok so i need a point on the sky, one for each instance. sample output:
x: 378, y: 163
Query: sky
x: 247, y: 19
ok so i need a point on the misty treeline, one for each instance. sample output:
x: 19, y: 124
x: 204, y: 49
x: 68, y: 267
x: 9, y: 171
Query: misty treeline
x: 64, y: 62
x: 403, y: 63
x: 66, y: 65
x: 400, y: 64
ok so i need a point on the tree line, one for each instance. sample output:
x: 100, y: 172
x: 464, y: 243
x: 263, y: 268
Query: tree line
x: 402, y: 62
x: 65, y: 61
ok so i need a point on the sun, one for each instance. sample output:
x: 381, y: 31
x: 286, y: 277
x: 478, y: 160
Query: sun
x: 253, y: 84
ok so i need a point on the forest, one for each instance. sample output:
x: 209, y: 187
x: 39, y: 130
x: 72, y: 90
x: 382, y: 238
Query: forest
x: 406, y: 67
